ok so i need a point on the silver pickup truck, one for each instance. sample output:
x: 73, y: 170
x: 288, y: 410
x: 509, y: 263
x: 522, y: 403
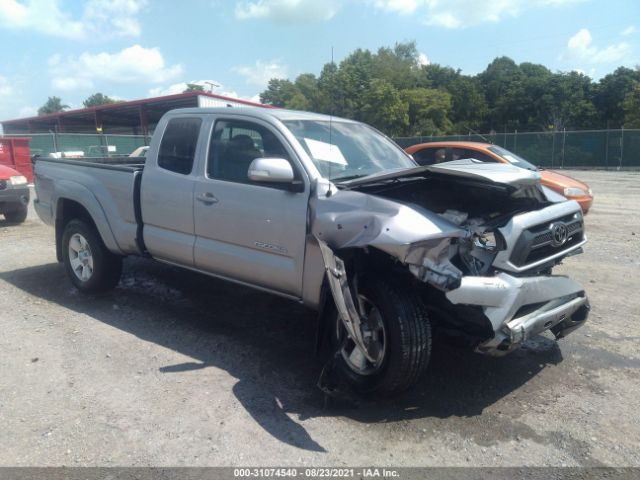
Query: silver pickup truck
x: 330, y: 213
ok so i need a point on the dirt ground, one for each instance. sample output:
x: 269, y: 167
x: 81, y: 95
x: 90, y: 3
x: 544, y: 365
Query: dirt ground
x: 174, y: 368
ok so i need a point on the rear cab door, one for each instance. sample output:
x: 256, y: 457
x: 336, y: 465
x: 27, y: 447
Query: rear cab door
x: 249, y: 231
x: 167, y: 188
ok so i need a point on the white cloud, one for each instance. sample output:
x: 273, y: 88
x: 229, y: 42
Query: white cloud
x: 5, y: 87
x: 114, y: 17
x: 43, y: 16
x: 259, y: 74
x: 589, y: 73
x: 12, y: 98
x: 287, y: 11
x: 464, y: 13
x: 27, y: 112
x: 580, y: 50
x: 134, y: 64
x: 631, y: 29
x: 403, y: 7
x: 423, y: 59
x: 103, y: 18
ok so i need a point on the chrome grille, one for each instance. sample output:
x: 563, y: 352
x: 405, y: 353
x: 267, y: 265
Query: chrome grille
x: 539, y: 242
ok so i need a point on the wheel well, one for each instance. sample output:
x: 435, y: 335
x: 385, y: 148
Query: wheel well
x: 361, y: 262
x: 67, y: 210
x: 465, y: 324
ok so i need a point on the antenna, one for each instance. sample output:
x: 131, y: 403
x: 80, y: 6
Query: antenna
x: 329, y: 192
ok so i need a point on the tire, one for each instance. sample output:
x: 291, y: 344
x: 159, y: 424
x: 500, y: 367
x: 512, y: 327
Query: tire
x: 407, y: 341
x: 18, y: 215
x: 91, y: 267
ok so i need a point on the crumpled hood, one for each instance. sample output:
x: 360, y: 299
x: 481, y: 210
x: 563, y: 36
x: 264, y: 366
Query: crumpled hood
x: 410, y: 214
x: 347, y: 219
x: 498, y: 173
x: 494, y: 172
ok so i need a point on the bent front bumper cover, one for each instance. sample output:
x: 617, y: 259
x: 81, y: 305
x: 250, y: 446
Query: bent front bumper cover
x: 520, y: 308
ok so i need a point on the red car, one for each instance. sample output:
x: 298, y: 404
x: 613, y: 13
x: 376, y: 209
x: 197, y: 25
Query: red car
x: 436, y: 152
x: 14, y: 195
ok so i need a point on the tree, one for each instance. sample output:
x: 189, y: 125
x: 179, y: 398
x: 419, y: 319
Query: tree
x: 279, y: 91
x: 52, y: 105
x: 611, y: 92
x: 307, y: 85
x: 390, y: 89
x: 98, y: 99
x: 468, y: 104
x: 398, y: 66
x: 193, y: 87
x: 569, y: 102
x: 384, y: 108
x: 428, y: 111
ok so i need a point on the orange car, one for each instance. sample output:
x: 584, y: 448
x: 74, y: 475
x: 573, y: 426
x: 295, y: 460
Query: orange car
x: 436, y: 152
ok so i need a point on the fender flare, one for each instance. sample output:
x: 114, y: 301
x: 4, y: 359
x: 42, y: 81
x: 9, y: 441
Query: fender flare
x: 68, y: 190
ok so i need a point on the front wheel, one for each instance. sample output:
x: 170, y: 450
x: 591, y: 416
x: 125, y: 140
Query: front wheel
x: 19, y: 215
x: 397, y: 326
x: 91, y: 267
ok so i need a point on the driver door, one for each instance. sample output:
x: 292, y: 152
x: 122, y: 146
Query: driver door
x: 249, y: 231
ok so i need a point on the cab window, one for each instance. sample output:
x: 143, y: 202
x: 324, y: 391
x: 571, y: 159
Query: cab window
x: 235, y: 144
x: 178, y: 145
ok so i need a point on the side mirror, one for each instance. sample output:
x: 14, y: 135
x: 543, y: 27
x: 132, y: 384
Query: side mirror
x: 271, y: 170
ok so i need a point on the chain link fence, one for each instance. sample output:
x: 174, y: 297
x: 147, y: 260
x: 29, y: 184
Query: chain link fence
x: 565, y: 149
x: 91, y: 145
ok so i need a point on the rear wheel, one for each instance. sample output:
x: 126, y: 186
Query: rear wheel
x: 398, y: 331
x: 91, y: 267
x: 18, y: 215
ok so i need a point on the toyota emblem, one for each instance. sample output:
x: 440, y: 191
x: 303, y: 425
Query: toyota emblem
x: 559, y: 234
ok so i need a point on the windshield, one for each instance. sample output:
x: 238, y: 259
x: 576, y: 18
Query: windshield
x: 344, y: 151
x: 513, y: 159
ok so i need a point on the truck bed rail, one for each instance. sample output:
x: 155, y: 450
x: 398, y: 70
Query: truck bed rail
x: 126, y: 164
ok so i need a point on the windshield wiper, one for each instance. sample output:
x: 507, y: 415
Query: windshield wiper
x: 348, y: 177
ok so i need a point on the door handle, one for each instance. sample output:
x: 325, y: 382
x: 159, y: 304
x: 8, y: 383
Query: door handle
x: 207, y: 198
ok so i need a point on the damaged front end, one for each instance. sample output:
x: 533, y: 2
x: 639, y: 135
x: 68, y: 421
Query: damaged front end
x: 478, y: 239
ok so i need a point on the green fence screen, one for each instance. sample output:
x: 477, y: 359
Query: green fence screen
x: 566, y: 149
x: 91, y: 145
x: 586, y: 148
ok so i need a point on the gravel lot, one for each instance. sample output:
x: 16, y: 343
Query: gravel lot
x: 174, y: 368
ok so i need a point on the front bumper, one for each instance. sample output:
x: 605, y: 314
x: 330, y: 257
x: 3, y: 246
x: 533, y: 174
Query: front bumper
x: 13, y: 197
x: 519, y: 308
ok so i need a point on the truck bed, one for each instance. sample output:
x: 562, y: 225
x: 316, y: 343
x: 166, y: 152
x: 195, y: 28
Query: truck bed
x: 110, y: 186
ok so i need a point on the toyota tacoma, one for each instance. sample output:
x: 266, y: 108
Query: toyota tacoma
x: 330, y: 213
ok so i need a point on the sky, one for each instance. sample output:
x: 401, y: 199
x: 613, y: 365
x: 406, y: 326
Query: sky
x: 131, y: 49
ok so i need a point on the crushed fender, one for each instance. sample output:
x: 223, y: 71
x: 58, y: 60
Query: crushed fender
x: 339, y: 285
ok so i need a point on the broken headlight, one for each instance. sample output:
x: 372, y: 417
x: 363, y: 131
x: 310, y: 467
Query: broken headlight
x: 480, y: 250
x: 486, y: 241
